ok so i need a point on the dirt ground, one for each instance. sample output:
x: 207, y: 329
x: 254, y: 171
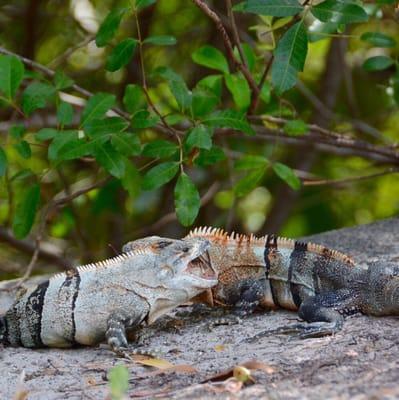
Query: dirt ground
x: 360, y: 362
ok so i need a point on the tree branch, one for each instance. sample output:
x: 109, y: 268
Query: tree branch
x: 170, y: 217
x: 50, y: 73
x: 29, y: 248
x: 227, y: 44
x: 339, y: 182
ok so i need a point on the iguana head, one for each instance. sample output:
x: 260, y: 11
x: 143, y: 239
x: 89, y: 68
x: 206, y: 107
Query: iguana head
x: 382, y: 289
x: 183, y: 270
x: 183, y: 263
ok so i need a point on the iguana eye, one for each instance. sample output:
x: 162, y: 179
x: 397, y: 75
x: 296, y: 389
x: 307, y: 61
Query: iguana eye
x: 185, y: 249
x: 163, y: 244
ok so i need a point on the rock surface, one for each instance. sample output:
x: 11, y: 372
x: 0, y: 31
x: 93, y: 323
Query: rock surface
x: 360, y: 362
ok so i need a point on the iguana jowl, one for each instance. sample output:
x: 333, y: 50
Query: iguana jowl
x: 98, y: 301
x: 324, y: 285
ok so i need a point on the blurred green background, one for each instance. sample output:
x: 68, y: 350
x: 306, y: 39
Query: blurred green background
x: 353, y: 101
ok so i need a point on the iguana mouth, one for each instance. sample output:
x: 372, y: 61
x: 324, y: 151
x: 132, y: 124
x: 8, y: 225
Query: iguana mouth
x: 201, y: 267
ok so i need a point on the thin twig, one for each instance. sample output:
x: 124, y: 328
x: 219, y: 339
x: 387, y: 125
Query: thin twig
x: 65, y: 55
x: 227, y: 44
x: 255, y: 96
x: 338, y: 145
x: 236, y: 35
x: 50, y: 73
x: 169, y: 128
x: 170, y: 217
x: 54, y: 203
x: 338, y: 182
x: 29, y: 248
x: 66, y: 199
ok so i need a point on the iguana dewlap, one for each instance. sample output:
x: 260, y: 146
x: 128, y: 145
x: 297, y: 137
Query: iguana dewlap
x: 101, y: 300
x: 272, y: 272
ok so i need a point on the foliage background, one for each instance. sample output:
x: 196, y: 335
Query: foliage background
x: 77, y: 202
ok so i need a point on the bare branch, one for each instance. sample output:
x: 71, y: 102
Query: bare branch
x: 29, y: 248
x: 340, y: 182
x: 50, y: 73
x: 170, y: 217
x: 236, y: 35
x: 227, y: 44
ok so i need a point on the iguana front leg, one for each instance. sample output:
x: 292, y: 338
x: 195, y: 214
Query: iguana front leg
x: 117, y: 324
x: 244, y: 302
x: 324, y: 313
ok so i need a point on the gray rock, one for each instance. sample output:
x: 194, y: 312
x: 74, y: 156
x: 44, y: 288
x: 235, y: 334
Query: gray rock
x: 361, y: 362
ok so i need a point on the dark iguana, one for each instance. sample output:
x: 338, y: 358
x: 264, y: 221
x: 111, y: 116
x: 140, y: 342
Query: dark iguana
x: 270, y: 272
x: 102, y: 300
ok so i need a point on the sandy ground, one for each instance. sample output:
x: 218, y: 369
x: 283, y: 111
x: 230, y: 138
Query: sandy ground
x: 360, y: 362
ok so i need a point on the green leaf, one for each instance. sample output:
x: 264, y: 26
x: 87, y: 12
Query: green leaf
x: 121, y: 54
x: 339, y: 11
x: 25, y: 212
x: 287, y: 175
x: 60, y: 139
x: 105, y: 126
x: 22, y: 174
x: 140, y: 4
x: 3, y: 162
x: 160, y: 149
x: 229, y: 119
x: 109, y: 26
x: 212, y: 83
x: 187, y: 200
x: 275, y: 8
x: 131, y: 180
x: 289, y: 57
x: 249, y: 182
x: 204, y: 101
x: 251, y: 162
x: 164, y: 40
x: 64, y: 113
x: 36, y: 96
x: 109, y: 159
x: 62, y: 81
x: 159, y: 175
x: 118, y: 381
x: 23, y: 149
x: 296, y: 127
x: 75, y: 148
x: 177, y: 86
x: 97, y: 106
x: 239, y: 88
x: 17, y: 131
x: 209, y: 157
x: 210, y: 57
x: 378, y: 63
x: 46, y: 134
x: 144, y: 119
x: 126, y: 143
x: 200, y: 136
x: 134, y: 98
x: 265, y: 93
x: 249, y: 55
x: 378, y: 39
x: 11, y: 75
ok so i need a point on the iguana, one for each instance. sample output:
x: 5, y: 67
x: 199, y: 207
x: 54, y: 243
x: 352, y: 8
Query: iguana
x: 270, y: 272
x: 96, y: 301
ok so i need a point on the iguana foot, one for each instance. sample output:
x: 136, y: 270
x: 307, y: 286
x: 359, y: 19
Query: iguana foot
x: 301, y: 330
x: 128, y: 352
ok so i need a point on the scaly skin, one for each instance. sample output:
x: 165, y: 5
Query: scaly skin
x: 323, y: 285
x: 102, y: 300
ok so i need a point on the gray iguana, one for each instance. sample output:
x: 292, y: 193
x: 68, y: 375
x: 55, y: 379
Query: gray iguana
x: 324, y: 285
x: 92, y: 302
